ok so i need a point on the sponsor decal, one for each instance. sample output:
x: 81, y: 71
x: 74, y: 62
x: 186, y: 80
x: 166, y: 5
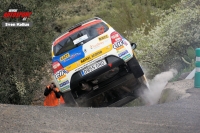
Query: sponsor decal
x: 102, y: 43
x: 62, y: 77
x: 97, y: 54
x: 118, y: 44
x: 19, y: 13
x: 62, y: 89
x: 94, y: 46
x: 85, y: 59
x: 90, y: 57
x: 67, y: 55
x: 125, y: 42
x: 123, y: 53
x: 121, y: 49
x: 72, y: 56
x: 71, y: 67
x: 128, y: 56
x: 64, y: 83
x: 55, y: 65
x: 103, y: 37
x: 115, y: 37
x: 117, y: 40
x: 60, y: 74
x: 80, y: 39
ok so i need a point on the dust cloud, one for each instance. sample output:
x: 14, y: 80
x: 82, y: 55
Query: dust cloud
x: 156, y: 86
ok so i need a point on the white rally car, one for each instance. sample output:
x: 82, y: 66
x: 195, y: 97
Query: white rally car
x: 91, y: 64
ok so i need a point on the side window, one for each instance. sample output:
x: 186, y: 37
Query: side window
x: 64, y: 46
x: 69, y: 43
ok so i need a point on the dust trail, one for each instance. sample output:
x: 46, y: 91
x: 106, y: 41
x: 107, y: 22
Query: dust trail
x: 156, y: 86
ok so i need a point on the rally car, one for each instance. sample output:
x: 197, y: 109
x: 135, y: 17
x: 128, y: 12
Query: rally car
x: 95, y: 66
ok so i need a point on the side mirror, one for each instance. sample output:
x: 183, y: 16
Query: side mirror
x: 133, y: 45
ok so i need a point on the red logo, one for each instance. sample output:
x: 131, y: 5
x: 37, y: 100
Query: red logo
x: 16, y: 11
x: 115, y: 37
x: 12, y: 13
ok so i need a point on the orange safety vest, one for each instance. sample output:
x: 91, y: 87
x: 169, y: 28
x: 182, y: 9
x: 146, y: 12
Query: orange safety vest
x: 62, y: 101
x: 51, y: 99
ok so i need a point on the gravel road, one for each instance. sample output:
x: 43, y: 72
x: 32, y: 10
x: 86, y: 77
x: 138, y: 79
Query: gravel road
x: 180, y: 116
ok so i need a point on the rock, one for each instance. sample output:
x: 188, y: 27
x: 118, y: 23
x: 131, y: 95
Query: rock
x: 176, y: 90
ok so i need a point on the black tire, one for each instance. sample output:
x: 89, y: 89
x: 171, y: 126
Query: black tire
x: 135, y: 68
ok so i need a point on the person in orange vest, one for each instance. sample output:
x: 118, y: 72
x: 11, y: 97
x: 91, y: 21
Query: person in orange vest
x: 53, y: 96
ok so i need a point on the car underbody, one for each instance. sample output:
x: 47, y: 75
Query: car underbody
x: 113, y: 88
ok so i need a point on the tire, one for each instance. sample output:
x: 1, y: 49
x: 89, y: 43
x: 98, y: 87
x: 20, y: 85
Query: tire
x: 135, y: 68
x: 144, y: 86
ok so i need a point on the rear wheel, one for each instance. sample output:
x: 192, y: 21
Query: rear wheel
x: 135, y: 68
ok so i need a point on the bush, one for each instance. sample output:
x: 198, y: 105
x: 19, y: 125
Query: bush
x: 168, y: 42
x: 24, y: 51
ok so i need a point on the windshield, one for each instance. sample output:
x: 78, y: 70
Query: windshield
x: 79, y: 38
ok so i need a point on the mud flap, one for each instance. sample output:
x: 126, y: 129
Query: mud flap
x: 135, y: 68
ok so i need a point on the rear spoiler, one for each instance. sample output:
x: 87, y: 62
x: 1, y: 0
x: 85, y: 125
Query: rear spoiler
x: 78, y: 25
x: 81, y: 23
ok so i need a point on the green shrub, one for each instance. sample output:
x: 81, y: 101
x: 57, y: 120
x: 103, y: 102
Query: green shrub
x: 168, y: 42
x: 24, y: 52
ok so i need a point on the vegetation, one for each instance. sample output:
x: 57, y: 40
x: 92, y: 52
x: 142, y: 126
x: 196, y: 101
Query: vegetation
x: 168, y: 42
x: 163, y: 31
x: 24, y: 52
x: 124, y: 16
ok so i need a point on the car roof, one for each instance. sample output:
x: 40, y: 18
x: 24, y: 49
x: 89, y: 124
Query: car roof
x: 62, y: 36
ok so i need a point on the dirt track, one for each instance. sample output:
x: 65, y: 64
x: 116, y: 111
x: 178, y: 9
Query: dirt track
x: 181, y: 116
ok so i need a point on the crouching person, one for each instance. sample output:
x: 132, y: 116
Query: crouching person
x: 52, y: 96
